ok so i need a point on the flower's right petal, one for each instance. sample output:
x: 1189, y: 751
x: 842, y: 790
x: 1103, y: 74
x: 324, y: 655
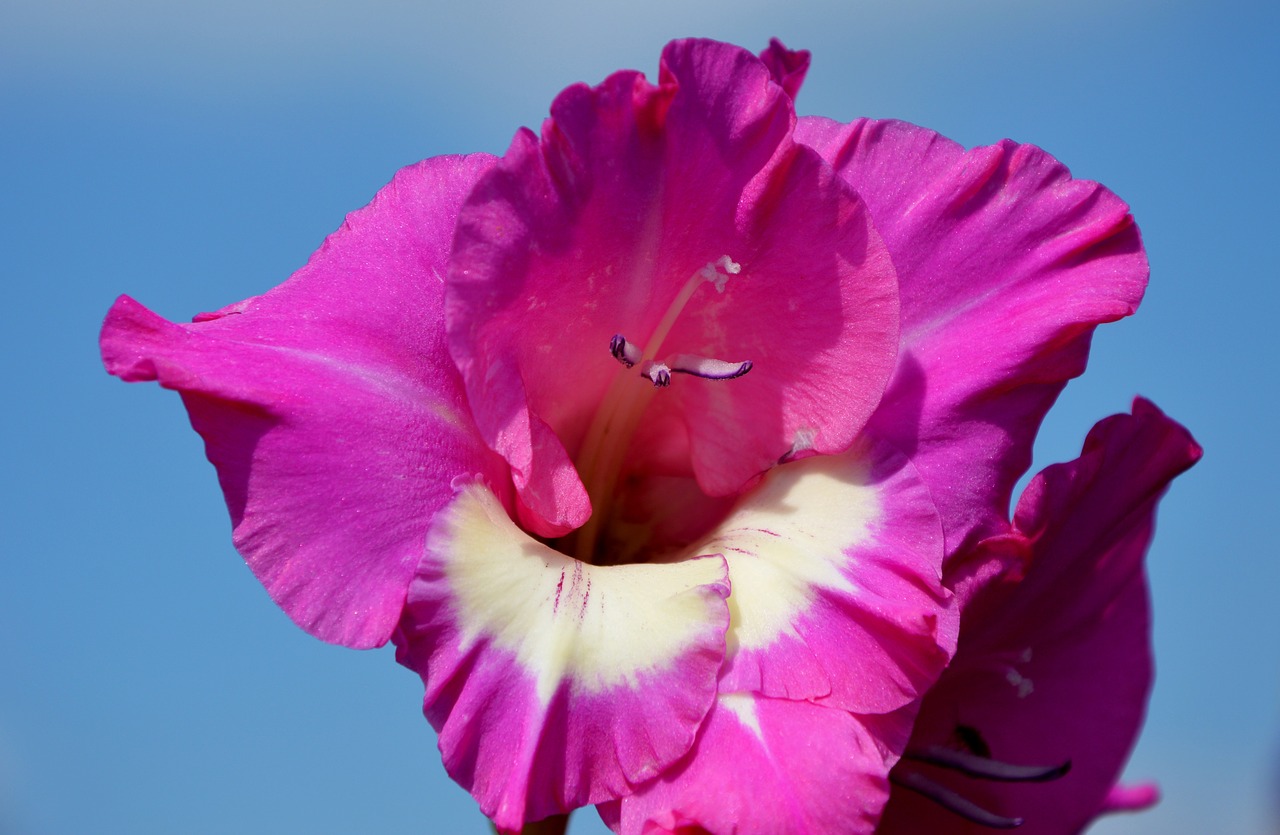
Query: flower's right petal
x: 1056, y: 666
x: 554, y: 683
x: 765, y: 765
x: 836, y: 565
x: 330, y: 406
x: 1006, y: 264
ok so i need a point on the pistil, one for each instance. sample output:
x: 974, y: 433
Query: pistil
x: 621, y: 410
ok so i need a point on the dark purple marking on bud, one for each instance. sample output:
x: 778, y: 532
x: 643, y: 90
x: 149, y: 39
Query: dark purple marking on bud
x: 623, y: 351
x: 984, y: 767
x: 952, y: 801
x: 975, y: 762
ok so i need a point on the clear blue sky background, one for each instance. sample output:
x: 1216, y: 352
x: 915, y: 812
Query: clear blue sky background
x: 192, y: 154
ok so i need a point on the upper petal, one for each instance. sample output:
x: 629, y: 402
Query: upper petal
x: 554, y: 683
x: 683, y: 217
x: 1005, y: 265
x: 330, y: 406
x: 1055, y: 666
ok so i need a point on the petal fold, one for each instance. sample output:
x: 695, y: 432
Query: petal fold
x: 1005, y: 265
x: 682, y: 216
x: 765, y: 765
x: 836, y: 565
x: 330, y: 511
x: 554, y: 683
x: 1054, y: 663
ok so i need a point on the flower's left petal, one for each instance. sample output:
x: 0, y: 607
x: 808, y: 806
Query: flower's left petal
x: 330, y: 406
x: 765, y: 765
x: 836, y: 564
x: 1055, y: 666
x: 554, y: 683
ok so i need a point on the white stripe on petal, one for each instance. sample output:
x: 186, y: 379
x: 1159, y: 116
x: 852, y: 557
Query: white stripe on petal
x: 599, y: 626
x: 789, y: 536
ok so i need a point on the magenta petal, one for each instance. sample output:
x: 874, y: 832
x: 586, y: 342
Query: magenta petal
x: 683, y: 218
x: 1005, y: 266
x: 787, y: 66
x: 836, y: 565
x: 1056, y: 666
x: 554, y: 683
x: 330, y: 406
x: 765, y: 765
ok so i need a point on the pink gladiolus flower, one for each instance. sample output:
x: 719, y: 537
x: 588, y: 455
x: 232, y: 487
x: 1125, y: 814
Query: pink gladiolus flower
x: 649, y: 443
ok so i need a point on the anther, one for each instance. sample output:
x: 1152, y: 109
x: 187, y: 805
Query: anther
x: 623, y: 351
x: 658, y: 373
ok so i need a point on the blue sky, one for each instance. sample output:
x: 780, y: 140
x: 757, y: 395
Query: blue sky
x: 194, y: 154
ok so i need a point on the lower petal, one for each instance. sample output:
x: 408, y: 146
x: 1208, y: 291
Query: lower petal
x: 766, y: 765
x: 554, y: 683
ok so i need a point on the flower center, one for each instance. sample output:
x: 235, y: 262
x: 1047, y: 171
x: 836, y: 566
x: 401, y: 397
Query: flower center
x: 621, y: 411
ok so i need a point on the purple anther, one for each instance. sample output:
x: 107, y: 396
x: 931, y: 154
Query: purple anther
x: 624, y: 351
x: 658, y: 373
x: 707, y: 368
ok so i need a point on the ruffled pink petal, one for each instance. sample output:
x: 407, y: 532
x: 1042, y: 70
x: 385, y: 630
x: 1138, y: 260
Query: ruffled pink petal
x: 787, y: 66
x: 765, y: 765
x: 682, y: 217
x: 1005, y: 266
x: 836, y: 565
x: 554, y: 683
x: 1056, y: 666
x: 330, y: 406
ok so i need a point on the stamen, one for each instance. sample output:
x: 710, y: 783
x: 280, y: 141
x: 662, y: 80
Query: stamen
x: 627, y: 353
x: 621, y: 410
x: 952, y: 801
x: 658, y: 373
x: 707, y: 368
x: 985, y: 767
x: 712, y: 272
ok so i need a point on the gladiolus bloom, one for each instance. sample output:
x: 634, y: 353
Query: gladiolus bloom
x: 649, y: 443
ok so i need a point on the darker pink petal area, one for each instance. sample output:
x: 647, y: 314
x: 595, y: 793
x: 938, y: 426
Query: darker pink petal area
x: 330, y: 406
x: 765, y: 765
x: 787, y: 66
x: 1005, y: 266
x: 596, y: 227
x: 1056, y: 665
x: 878, y: 643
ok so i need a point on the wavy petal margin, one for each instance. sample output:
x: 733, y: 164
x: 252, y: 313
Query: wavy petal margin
x: 765, y: 765
x: 836, y: 565
x: 1005, y: 265
x: 553, y: 683
x: 682, y: 217
x: 331, y: 407
x: 1055, y: 666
